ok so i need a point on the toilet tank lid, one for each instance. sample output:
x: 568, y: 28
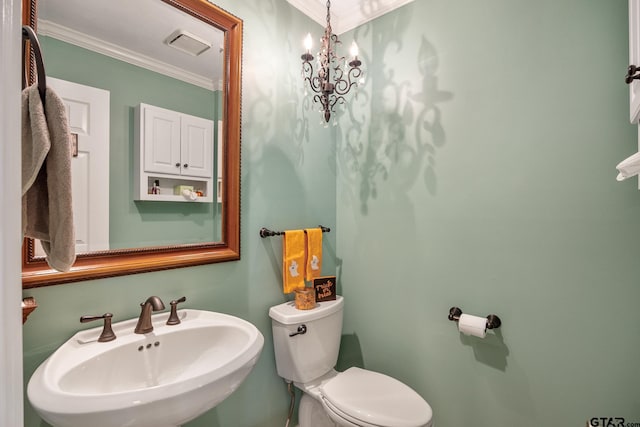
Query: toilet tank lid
x: 287, y: 313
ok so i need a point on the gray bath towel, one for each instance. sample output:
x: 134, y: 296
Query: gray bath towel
x: 46, y: 177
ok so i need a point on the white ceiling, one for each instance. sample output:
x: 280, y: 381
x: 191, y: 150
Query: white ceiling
x: 135, y: 32
x: 346, y: 14
x: 115, y: 28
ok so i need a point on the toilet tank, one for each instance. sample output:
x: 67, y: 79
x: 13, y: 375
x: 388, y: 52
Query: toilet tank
x: 306, y: 356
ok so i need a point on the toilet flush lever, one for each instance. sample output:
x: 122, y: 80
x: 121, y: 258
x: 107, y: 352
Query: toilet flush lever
x: 302, y: 329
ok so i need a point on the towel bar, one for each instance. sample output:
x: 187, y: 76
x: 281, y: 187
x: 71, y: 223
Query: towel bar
x: 265, y: 232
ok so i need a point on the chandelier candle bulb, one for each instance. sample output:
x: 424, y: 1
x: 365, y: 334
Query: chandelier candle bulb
x: 354, y: 50
x: 308, y: 42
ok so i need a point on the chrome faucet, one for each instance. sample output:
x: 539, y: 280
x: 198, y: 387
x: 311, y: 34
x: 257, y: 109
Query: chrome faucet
x: 144, y: 325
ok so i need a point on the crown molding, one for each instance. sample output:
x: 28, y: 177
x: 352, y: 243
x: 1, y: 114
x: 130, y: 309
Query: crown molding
x: 68, y: 35
x: 313, y: 9
x: 346, y: 14
x: 352, y: 16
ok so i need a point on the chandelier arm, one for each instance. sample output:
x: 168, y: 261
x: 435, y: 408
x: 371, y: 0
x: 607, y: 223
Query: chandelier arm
x: 336, y: 100
x: 314, y: 84
x: 344, y: 86
x: 337, y: 73
x: 341, y: 85
x: 307, y: 76
x: 318, y: 98
x: 336, y: 42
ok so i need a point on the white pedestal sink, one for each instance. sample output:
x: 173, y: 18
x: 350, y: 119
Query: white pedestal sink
x: 160, y: 379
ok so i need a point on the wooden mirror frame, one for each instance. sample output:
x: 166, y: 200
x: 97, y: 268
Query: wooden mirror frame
x: 36, y: 272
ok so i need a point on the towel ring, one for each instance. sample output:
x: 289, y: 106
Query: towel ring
x: 29, y: 34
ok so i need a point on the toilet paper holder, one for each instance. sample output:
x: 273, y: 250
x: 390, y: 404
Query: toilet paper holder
x: 493, y: 321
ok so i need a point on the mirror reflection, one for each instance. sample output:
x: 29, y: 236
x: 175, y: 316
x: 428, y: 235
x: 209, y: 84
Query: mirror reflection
x: 141, y: 230
x: 134, y: 89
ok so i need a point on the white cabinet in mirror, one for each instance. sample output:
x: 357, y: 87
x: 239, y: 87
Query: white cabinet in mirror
x: 173, y: 156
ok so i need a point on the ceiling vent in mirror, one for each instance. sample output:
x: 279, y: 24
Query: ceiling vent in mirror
x: 187, y: 42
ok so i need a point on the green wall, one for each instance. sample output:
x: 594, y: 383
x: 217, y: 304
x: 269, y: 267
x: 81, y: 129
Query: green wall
x: 478, y: 170
x: 288, y: 181
x: 486, y: 181
x: 135, y: 224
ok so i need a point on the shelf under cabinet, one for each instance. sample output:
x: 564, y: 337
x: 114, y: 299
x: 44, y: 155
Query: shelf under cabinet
x: 167, y: 185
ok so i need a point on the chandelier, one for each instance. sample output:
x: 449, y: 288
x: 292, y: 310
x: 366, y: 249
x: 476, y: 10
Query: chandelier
x: 331, y: 82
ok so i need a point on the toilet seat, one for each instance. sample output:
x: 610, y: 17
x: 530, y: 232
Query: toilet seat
x: 342, y: 419
x: 369, y: 399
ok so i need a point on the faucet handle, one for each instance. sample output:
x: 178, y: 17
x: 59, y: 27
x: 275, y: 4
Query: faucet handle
x: 107, y: 332
x: 173, y: 317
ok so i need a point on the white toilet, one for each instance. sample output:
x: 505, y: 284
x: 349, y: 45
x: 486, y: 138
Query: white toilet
x: 306, y: 344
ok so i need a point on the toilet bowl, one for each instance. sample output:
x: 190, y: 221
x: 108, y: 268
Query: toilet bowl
x: 358, y: 397
x: 306, y: 344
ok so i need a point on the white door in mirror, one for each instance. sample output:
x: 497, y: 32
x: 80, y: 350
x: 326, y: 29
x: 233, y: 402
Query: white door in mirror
x: 88, y: 115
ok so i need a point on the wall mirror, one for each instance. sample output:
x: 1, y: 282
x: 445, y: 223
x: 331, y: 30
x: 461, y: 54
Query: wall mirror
x: 184, y: 56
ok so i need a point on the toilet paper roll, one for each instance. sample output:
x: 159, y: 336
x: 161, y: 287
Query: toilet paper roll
x: 472, y: 325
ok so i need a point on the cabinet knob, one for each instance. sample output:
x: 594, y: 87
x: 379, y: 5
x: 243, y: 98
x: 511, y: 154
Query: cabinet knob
x: 178, y: 164
x: 632, y: 74
x: 186, y: 165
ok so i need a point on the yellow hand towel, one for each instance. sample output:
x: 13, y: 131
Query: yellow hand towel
x: 314, y: 253
x: 293, y: 260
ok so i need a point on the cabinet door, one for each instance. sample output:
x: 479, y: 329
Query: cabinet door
x: 161, y: 141
x: 634, y: 58
x: 197, y: 147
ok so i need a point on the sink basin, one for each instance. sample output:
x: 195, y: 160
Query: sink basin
x: 164, y: 378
